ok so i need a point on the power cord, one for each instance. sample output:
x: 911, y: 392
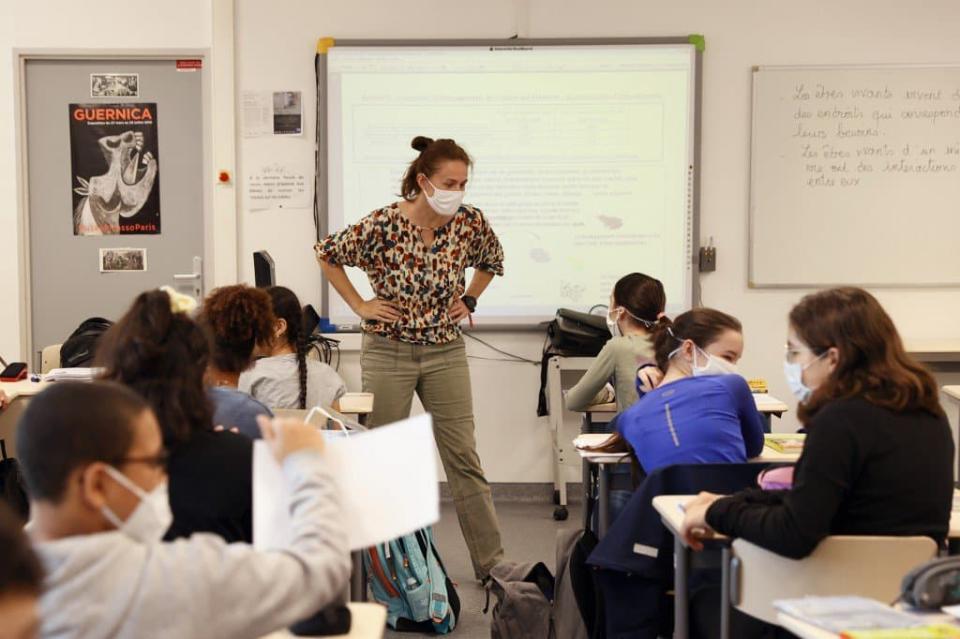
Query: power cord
x: 513, y: 357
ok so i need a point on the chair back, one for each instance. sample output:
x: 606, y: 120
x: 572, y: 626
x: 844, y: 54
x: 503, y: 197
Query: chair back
x: 50, y: 358
x: 840, y: 565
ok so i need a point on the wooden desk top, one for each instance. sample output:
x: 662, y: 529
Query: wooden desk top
x: 668, y: 506
x: 24, y: 388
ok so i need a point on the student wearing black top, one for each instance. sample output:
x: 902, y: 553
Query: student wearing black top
x: 878, y: 458
x: 157, y: 350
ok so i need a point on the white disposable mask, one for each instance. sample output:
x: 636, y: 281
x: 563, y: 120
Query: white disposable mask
x: 714, y: 365
x: 613, y: 326
x: 150, y: 519
x: 445, y: 203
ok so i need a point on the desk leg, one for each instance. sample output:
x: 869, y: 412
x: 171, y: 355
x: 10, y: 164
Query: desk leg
x: 681, y: 589
x: 358, y: 583
x: 726, y: 584
x: 603, y: 499
x: 586, y: 478
x: 767, y: 423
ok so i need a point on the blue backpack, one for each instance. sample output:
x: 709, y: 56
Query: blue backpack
x: 407, y: 576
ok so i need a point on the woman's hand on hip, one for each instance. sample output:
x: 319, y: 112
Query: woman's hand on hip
x: 458, y: 310
x: 377, y: 309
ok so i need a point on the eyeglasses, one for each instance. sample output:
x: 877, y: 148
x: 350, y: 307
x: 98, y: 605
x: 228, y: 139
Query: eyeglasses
x: 792, y: 352
x: 159, y: 460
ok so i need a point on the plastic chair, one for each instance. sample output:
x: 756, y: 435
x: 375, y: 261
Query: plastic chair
x: 840, y: 565
x: 50, y: 358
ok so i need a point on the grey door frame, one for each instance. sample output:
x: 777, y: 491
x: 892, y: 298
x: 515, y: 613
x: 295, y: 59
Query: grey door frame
x: 20, y: 59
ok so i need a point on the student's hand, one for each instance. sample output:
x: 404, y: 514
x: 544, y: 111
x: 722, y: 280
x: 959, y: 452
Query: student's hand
x: 377, y: 309
x: 695, y: 527
x: 649, y: 377
x: 4, y: 400
x: 458, y: 310
x: 287, y: 436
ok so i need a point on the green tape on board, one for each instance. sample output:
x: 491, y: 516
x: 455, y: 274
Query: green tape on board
x: 698, y: 41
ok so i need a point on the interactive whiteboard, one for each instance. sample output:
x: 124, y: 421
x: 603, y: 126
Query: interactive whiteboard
x: 585, y: 157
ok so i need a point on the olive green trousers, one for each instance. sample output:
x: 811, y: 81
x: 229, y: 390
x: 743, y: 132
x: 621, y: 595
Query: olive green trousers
x: 438, y: 373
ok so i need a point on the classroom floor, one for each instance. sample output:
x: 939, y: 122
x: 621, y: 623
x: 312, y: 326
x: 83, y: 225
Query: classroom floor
x: 529, y: 534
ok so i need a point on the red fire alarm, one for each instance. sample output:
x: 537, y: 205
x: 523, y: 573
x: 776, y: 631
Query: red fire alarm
x: 224, y: 177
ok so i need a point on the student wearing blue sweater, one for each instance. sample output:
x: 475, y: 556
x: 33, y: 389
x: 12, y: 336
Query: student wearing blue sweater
x: 702, y: 411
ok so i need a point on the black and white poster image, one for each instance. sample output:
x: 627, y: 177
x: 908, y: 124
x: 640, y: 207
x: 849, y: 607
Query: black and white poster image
x: 123, y: 260
x: 114, y: 161
x: 287, y: 113
x: 114, y: 85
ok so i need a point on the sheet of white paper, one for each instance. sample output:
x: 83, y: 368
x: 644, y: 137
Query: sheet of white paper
x: 387, y: 480
x: 256, y: 113
x: 286, y: 185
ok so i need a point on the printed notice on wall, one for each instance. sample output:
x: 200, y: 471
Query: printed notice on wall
x: 265, y: 113
x: 114, y: 163
x: 279, y: 185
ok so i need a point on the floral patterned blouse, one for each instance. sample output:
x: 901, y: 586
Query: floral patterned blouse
x: 421, y: 281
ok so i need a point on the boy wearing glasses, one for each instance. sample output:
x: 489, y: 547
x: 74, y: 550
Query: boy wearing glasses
x: 94, y: 463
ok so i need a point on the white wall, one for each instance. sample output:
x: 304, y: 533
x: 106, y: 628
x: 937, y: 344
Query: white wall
x: 275, y: 46
x: 110, y: 24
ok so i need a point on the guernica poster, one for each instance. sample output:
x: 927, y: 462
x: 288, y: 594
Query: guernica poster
x: 115, y: 169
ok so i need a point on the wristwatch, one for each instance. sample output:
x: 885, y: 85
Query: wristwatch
x: 470, y: 302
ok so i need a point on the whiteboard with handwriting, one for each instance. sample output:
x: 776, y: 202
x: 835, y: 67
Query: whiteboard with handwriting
x: 855, y: 176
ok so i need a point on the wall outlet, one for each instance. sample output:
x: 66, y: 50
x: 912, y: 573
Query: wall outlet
x: 708, y: 259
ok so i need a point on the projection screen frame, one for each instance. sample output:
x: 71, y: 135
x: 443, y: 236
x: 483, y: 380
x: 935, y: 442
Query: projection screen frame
x: 321, y: 204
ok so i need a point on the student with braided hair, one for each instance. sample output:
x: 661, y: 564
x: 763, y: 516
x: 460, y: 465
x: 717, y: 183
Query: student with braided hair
x: 287, y: 378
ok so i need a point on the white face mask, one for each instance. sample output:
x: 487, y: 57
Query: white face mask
x: 150, y: 519
x: 714, y: 365
x: 613, y: 326
x: 445, y: 203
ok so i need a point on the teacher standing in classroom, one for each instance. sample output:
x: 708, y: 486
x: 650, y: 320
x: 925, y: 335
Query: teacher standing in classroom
x: 415, y: 253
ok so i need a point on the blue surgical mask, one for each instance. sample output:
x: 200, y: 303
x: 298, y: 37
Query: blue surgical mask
x: 793, y: 371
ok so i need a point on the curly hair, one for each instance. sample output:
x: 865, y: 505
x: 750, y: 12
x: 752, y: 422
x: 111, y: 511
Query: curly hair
x: 238, y: 318
x: 163, y: 356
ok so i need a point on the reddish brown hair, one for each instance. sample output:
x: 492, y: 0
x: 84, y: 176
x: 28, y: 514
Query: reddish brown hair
x: 872, y: 364
x: 432, y: 154
x: 239, y: 318
x: 703, y: 326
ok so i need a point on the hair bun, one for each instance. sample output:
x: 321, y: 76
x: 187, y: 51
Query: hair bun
x: 420, y: 143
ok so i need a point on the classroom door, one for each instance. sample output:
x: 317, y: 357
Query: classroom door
x: 115, y: 185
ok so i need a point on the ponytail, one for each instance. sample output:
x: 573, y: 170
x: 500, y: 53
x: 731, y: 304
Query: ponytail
x: 701, y: 325
x: 286, y: 306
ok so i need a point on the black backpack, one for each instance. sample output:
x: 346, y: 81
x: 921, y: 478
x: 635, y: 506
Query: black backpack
x: 573, y: 334
x: 12, y: 486
x: 78, y: 350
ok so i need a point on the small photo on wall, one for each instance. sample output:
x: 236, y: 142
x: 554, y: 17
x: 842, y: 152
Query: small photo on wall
x: 123, y: 260
x: 114, y: 85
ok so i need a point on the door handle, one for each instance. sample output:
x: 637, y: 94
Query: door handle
x: 196, y: 277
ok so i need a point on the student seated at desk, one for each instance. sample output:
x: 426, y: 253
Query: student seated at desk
x: 21, y: 580
x: 94, y: 458
x: 287, y: 378
x: 240, y: 321
x: 636, y: 309
x: 878, y: 454
x: 158, y: 351
x: 702, y: 411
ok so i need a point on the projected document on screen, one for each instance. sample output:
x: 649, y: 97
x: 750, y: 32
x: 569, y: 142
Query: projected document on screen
x: 582, y: 160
